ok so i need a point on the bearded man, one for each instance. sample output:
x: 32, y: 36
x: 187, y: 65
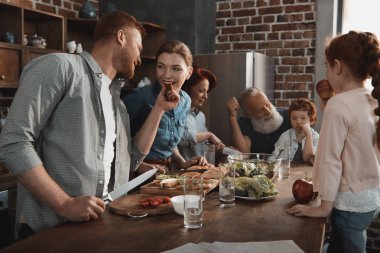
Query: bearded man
x: 260, y: 127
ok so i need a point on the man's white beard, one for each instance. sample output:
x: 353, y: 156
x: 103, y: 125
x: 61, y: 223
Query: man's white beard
x: 268, y: 125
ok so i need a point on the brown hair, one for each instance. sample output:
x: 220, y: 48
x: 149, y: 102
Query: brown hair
x: 110, y: 24
x: 177, y: 47
x: 198, y: 75
x: 304, y: 104
x: 360, y: 52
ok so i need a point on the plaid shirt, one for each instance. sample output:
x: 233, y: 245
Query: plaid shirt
x: 56, y: 119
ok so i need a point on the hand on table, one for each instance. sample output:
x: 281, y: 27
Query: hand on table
x: 144, y: 167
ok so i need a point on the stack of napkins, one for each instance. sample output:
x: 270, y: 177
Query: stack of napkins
x: 286, y: 246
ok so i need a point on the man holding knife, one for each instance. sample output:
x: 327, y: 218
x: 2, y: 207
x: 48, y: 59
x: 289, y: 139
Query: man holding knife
x: 67, y: 125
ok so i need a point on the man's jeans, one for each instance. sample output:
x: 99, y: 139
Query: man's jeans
x: 349, y: 231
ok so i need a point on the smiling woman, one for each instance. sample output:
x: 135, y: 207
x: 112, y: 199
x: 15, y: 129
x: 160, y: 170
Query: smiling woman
x: 196, y: 134
x: 174, y: 66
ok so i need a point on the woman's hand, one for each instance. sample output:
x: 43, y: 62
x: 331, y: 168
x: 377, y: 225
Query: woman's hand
x: 217, y: 142
x: 168, y: 98
x: 232, y: 107
x: 197, y: 160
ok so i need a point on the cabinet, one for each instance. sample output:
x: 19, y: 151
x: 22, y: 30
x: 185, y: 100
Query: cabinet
x: 57, y: 30
x: 20, y: 21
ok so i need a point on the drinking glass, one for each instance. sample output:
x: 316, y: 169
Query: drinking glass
x: 209, y: 153
x: 227, y: 186
x: 284, y: 170
x: 192, y: 204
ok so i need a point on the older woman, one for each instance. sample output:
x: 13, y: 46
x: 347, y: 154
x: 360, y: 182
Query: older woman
x: 196, y: 134
x: 174, y: 66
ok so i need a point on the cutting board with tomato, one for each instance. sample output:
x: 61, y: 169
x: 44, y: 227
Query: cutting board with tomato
x: 131, y: 203
x: 153, y: 188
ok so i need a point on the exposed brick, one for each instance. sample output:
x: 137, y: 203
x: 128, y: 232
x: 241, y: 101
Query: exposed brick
x: 243, y: 21
x: 282, y: 103
x: 67, y: 13
x: 310, y: 51
x: 274, y: 2
x: 223, y: 6
x: 297, y: 44
x: 270, y: 44
x: 296, y: 17
x: 76, y: 6
x: 223, y: 14
x: 283, y: 69
x: 220, y: 22
x: 309, y: 16
x: 77, y: 1
x: 231, y: 22
x: 21, y: 3
x: 223, y: 46
x: 217, y: 31
x: 244, y: 13
x: 258, y: 28
x: 375, y: 225
x: 309, y: 35
x: 236, y: 5
x: 309, y: 69
x: 312, y: 60
x: 222, y: 38
x: 298, y: 69
x: 282, y: 18
x: 299, y: 86
x: 298, y: 35
x: 284, y: 27
x: 294, y: 61
x: 295, y: 78
x: 44, y: 7
x: 235, y: 29
x: 306, y: 26
x: 234, y: 37
x: 279, y: 78
x: 285, y: 52
x: 277, y: 94
x: 268, y: 19
x: 244, y: 46
x: 259, y: 36
x: 67, y: 5
x: 295, y: 94
x: 261, y: 3
x: 256, y: 20
x: 288, y: 1
x: 247, y: 36
x: 286, y: 35
x: 46, y: 1
x: 272, y: 52
x: 298, y: 8
x: 57, y: 3
x: 273, y: 36
x: 271, y: 10
x: 248, y: 4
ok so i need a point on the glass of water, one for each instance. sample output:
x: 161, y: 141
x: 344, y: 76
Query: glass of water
x: 284, y: 169
x: 209, y: 153
x: 192, y: 204
x: 227, y: 186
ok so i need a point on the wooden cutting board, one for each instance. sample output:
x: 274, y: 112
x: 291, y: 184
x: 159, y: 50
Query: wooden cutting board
x: 152, y: 188
x: 131, y: 203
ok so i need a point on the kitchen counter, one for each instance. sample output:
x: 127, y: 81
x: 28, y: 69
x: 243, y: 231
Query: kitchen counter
x: 247, y: 221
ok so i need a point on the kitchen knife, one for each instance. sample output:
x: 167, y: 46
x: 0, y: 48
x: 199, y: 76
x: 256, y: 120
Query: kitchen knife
x: 125, y: 188
x: 230, y: 151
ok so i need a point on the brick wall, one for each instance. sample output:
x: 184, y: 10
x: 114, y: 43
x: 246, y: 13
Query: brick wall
x: 66, y: 8
x: 283, y: 29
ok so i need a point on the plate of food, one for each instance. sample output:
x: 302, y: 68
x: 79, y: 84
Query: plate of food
x: 257, y: 187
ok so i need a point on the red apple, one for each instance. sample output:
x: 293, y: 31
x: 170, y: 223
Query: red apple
x: 303, y: 191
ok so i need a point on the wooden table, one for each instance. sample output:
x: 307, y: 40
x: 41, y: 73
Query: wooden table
x: 264, y: 220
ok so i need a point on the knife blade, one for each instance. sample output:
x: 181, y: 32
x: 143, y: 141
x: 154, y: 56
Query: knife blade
x: 125, y: 188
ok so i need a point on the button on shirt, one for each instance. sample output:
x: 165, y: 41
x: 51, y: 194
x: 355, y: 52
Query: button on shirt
x: 56, y: 120
x: 140, y: 102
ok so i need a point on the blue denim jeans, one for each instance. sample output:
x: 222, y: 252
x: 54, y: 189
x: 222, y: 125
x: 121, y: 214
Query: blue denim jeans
x: 349, y: 231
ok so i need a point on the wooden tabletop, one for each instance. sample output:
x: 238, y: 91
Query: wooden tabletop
x: 264, y: 220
